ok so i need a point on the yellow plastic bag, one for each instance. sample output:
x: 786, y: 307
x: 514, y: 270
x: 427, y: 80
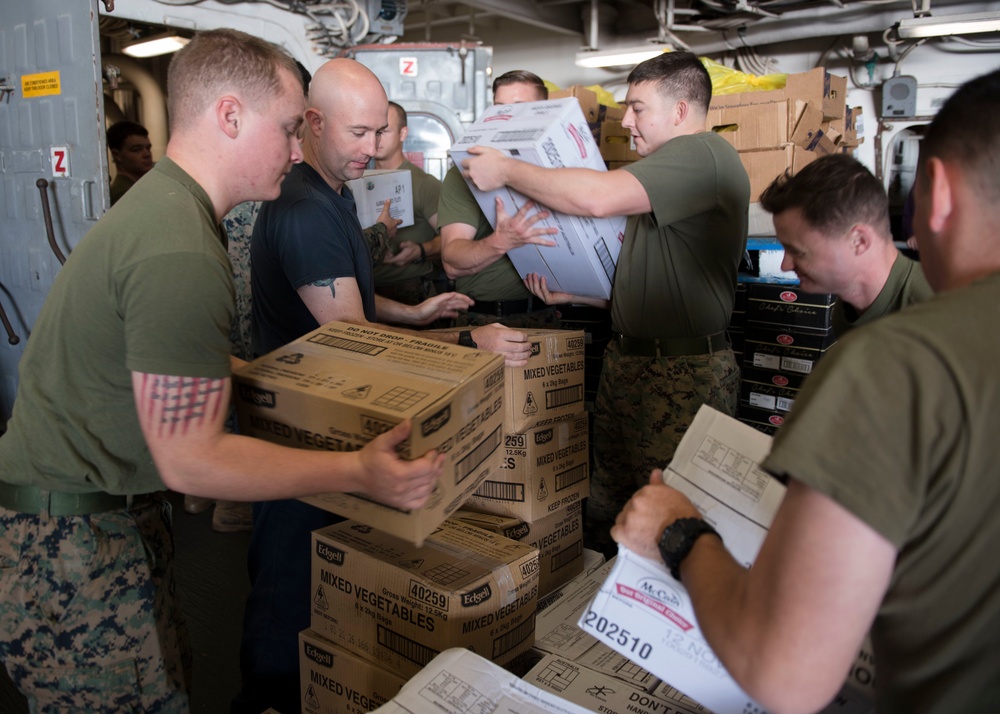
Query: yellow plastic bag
x: 731, y: 81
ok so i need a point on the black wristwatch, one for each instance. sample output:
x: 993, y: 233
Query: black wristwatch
x: 465, y: 339
x: 678, y: 539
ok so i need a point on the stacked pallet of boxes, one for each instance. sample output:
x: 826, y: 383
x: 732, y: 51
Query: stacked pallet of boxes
x: 786, y: 332
x: 785, y: 129
x: 537, y: 494
x: 392, y: 588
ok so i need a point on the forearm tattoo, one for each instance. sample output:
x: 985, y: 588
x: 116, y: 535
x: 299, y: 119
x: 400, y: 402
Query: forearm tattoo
x: 175, y: 403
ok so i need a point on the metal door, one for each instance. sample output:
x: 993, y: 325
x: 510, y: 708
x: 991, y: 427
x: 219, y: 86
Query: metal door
x: 51, y: 142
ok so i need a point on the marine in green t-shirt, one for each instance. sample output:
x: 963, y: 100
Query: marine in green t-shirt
x: 832, y: 218
x: 675, y: 281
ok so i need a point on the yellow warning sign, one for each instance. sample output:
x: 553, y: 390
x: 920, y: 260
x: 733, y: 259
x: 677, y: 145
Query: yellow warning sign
x: 42, y: 84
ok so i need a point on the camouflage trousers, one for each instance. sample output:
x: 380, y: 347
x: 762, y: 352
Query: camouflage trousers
x: 642, y: 409
x: 549, y: 318
x: 408, y: 292
x: 89, y: 620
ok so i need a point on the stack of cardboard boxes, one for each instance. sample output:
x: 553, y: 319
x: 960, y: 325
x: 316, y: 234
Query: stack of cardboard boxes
x: 786, y: 332
x: 536, y: 496
x: 785, y: 129
x: 391, y: 588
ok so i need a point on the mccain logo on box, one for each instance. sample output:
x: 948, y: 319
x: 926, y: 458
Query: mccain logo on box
x: 329, y: 554
x: 318, y: 655
x: 264, y: 398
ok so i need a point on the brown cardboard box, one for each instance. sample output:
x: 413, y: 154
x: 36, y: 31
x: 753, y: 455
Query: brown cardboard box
x: 587, y: 98
x: 558, y: 538
x: 823, y: 90
x: 753, y: 126
x: 341, y: 385
x: 335, y: 681
x: 616, y: 142
x: 764, y: 166
x: 399, y: 605
x: 550, y: 387
x: 542, y: 470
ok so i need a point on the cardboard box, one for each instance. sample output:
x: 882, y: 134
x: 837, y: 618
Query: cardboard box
x: 587, y: 98
x: 642, y: 612
x: 598, y: 691
x: 551, y: 134
x: 377, y: 186
x: 752, y: 126
x: 335, y: 681
x: 556, y: 634
x: 617, y: 143
x: 399, y: 605
x: 341, y: 385
x: 787, y: 305
x: 825, y: 91
x: 767, y: 396
x: 592, y: 560
x: 784, y: 349
x: 558, y: 537
x: 550, y: 387
x: 542, y: 471
x: 765, y: 420
x: 461, y: 682
x: 764, y: 166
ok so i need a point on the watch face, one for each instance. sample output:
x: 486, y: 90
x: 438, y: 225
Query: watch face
x: 675, y: 539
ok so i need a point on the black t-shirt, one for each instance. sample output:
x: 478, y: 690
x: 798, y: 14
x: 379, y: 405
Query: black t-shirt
x: 309, y: 233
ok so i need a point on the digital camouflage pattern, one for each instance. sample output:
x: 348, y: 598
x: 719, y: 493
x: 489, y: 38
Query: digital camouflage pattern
x: 88, y: 611
x: 642, y: 409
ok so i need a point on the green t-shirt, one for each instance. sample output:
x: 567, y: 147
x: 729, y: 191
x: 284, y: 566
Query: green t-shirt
x: 899, y: 426
x: 676, y: 274
x: 119, y: 186
x: 906, y: 285
x: 497, y: 281
x: 148, y: 289
x: 426, y: 195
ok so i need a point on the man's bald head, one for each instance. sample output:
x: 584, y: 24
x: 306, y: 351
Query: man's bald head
x: 348, y: 109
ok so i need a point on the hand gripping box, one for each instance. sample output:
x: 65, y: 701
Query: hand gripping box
x: 335, y: 681
x: 399, y: 605
x: 558, y: 538
x: 341, y: 385
x: 542, y: 470
x: 550, y: 134
x: 376, y: 187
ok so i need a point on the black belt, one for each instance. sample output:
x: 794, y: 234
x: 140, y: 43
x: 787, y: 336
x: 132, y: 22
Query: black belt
x: 32, y: 500
x: 671, y: 346
x: 502, y: 308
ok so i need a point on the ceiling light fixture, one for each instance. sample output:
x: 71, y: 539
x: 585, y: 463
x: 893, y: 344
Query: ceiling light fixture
x: 156, y: 45
x: 942, y: 25
x: 621, y: 56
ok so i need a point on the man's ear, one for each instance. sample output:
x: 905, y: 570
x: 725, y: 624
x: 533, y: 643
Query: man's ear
x: 940, y: 195
x: 314, y: 121
x: 229, y: 115
x: 403, y: 133
x: 862, y: 238
x: 681, y: 111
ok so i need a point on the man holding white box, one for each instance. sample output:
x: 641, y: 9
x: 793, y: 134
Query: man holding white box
x: 475, y: 255
x: 890, y: 454
x: 675, y: 280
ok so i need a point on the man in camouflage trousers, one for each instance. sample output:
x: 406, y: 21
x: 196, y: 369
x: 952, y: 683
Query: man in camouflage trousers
x: 675, y: 282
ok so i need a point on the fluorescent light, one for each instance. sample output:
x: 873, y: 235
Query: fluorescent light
x: 622, y: 56
x: 158, y: 45
x: 967, y: 24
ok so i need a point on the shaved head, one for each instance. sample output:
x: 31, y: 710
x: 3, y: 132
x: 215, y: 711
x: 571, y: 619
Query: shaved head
x: 348, y: 110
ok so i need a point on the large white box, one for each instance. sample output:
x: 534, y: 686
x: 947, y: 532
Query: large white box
x: 551, y: 134
x: 376, y: 187
x: 458, y: 681
x: 642, y: 612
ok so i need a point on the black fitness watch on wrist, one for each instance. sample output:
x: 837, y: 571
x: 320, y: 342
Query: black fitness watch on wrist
x: 678, y: 539
x: 465, y: 339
